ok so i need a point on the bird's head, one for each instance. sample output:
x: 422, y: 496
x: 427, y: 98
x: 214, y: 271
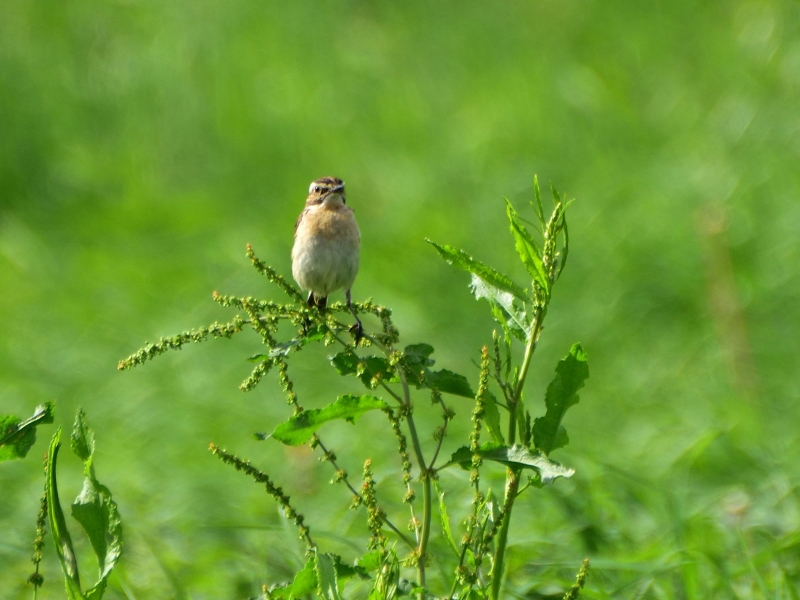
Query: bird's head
x: 326, y: 190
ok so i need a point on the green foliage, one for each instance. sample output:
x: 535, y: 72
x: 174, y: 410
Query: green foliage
x: 392, y: 373
x: 301, y: 427
x: 17, y: 436
x: 516, y: 456
x: 486, y: 274
x: 393, y: 376
x: 562, y: 393
x: 94, y: 509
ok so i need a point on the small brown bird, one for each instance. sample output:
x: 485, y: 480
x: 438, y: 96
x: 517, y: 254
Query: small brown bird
x: 326, y: 245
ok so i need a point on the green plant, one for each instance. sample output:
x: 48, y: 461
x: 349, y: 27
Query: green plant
x: 94, y: 509
x: 394, y: 376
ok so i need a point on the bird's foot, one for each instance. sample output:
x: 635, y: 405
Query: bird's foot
x: 357, y: 330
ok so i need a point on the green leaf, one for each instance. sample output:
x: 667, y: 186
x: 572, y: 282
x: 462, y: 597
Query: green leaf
x: 491, y: 417
x: 82, y: 440
x: 299, y: 429
x: 285, y: 348
x: 514, y: 456
x: 445, y: 520
x: 17, y: 437
x: 95, y: 510
x: 370, y: 561
x: 366, y: 368
x: 415, y: 362
x: 502, y: 320
x: 345, y: 571
x: 565, y: 249
x: 449, y: 383
x: 418, y: 355
x: 571, y: 373
x: 516, y: 321
x: 257, y: 358
x: 304, y: 583
x: 465, y: 262
x: 58, y: 525
x: 537, y: 208
x: 327, y: 584
x: 527, y: 248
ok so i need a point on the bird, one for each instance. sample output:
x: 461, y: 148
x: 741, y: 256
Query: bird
x: 327, y: 242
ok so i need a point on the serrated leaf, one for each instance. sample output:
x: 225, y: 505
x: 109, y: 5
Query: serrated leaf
x: 299, y: 428
x: 95, y: 510
x: 450, y: 383
x: 491, y: 277
x: 501, y: 318
x: 97, y: 513
x: 304, y: 583
x: 418, y: 355
x: 444, y: 519
x: 366, y: 368
x: 491, y: 417
x: 415, y: 362
x: 571, y: 373
x: 527, y: 248
x: 58, y: 524
x: 345, y: 571
x: 18, y: 437
x: 285, y: 348
x: 82, y: 439
x: 370, y: 561
x: 517, y: 322
x: 327, y: 584
x: 514, y: 456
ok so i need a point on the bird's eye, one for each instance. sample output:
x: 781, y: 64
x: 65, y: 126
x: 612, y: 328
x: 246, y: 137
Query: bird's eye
x: 317, y: 189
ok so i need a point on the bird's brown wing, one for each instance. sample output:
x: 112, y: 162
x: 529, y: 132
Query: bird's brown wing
x: 300, y: 218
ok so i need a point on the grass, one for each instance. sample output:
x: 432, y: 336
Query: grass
x: 143, y: 144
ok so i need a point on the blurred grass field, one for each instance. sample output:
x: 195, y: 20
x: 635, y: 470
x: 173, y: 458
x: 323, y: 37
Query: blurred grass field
x: 143, y: 144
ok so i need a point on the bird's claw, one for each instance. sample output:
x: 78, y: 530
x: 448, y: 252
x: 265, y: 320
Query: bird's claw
x: 358, y: 331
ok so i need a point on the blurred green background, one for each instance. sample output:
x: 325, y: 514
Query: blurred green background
x: 143, y: 144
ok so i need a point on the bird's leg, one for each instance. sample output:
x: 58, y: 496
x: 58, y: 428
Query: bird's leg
x: 358, y: 328
x: 306, y: 321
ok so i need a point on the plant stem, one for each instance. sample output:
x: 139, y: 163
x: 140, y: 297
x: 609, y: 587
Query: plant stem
x: 512, y: 475
x: 512, y: 482
x: 426, y: 484
x: 422, y: 548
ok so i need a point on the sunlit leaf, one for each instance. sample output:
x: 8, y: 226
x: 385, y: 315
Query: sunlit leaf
x: 571, y: 373
x: 82, y: 439
x: 327, y: 584
x: 514, y: 456
x: 299, y: 428
x: 444, y: 519
x: 58, y: 525
x: 527, y: 248
x: 95, y: 510
x: 450, y: 383
x: 464, y: 261
x: 304, y: 583
x: 418, y: 355
x: 365, y: 368
x: 18, y: 437
x: 517, y: 321
x: 491, y: 417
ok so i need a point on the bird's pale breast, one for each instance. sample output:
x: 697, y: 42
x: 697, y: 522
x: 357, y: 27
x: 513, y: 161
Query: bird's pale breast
x: 325, y: 255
